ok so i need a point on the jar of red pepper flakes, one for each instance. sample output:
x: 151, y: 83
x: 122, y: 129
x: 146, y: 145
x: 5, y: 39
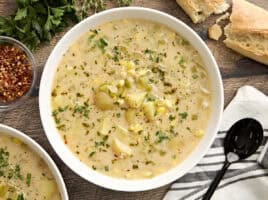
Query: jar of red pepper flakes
x: 17, y: 73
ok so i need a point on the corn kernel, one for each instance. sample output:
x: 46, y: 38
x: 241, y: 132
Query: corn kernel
x: 131, y: 72
x: 16, y: 141
x: 127, y: 64
x: 121, y: 83
x: 199, y: 133
x: 161, y: 110
x: 135, y: 128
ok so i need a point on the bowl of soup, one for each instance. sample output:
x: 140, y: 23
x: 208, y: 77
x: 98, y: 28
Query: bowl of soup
x: 131, y: 99
x: 26, y: 170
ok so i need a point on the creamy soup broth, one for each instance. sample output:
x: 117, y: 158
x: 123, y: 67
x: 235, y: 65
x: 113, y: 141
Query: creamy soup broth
x: 131, y: 98
x: 23, y: 174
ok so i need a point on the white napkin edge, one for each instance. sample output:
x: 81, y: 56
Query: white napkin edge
x: 247, y: 97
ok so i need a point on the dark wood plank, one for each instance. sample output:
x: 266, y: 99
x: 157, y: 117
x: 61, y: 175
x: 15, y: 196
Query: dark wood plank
x: 236, y: 71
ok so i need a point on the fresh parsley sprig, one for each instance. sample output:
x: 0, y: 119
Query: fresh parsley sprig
x: 37, y: 20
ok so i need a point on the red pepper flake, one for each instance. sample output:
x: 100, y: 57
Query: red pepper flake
x: 65, y: 139
x: 15, y: 73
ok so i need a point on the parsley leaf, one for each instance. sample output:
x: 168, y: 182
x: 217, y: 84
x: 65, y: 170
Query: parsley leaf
x: 183, y: 115
x: 102, y: 44
x: 28, y: 179
x: 20, y: 197
x: 161, y: 136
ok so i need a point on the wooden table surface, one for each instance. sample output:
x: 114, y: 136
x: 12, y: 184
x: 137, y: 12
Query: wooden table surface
x: 235, y: 70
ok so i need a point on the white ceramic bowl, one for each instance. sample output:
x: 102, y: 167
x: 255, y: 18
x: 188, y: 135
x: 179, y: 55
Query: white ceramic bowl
x: 46, y: 86
x: 40, y: 152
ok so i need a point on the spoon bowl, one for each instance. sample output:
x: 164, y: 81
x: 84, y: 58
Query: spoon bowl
x: 243, y: 138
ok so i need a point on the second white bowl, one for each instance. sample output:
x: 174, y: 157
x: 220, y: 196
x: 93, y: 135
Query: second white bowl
x: 41, y: 153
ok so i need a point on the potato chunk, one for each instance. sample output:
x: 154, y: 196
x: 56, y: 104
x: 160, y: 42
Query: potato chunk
x: 103, y: 101
x: 105, y: 126
x: 149, y: 109
x: 130, y: 116
x: 135, y: 100
x: 143, y: 83
x: 121, y: 149
x: 48, y: 188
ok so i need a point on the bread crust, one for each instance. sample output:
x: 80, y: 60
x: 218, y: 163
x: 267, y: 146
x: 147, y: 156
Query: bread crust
x: 248, y: 17
x: 199, y: 10
x: 250, y: 53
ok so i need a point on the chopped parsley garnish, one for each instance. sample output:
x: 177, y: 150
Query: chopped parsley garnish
x: 102, y: 44
x: 20, y: 197
x: 92, y: 154
x: 161, y: 136
x: 148, y: 162
x: 116, y: 54
x: 195, y: 76
x: 149, y: 51
x: 86, y: 125
x: 182, y: 61
x: 162, y: 153
x: 92, y: 35
x: 17, y: 172
x: 28, y: 179
x: 102, y: 143
x: 106, y: 168
x: 79, y: 94
x: 194, y: 117
x: 184, y: 42
x: 155, y: 56
x: 147, y: 137
x: 135, y: 166
x: 4, y: 156
x: 60, y: 109
x: 183, y: 115
x: 82, y: 109
x: 56, y: 112
x: 171, y: 117
x: 94, y: 167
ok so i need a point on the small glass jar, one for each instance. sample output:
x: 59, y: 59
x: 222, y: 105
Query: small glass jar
x: 17, y: 44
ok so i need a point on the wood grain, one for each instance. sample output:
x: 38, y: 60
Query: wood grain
x: 235, y: 69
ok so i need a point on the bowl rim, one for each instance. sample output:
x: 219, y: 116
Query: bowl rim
x: 20, y: 100
x: 36, y: 148
x: 103, y: 180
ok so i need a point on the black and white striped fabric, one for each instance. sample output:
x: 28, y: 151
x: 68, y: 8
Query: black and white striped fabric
x: 245, y: 180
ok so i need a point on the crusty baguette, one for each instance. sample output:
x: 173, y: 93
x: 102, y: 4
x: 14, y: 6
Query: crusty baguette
x: 199, y: 10
x: 247, y: 33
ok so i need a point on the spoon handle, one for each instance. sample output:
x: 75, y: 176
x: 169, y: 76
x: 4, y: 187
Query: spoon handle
x: 216, y: 181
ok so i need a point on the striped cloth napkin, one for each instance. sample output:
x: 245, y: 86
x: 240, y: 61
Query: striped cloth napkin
x: 245, y: 180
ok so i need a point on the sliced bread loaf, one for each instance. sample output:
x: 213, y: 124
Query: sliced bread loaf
x: 248, y: 31
x: 199, y: 10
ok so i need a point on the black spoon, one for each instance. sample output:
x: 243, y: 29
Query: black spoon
x: 242, y: 140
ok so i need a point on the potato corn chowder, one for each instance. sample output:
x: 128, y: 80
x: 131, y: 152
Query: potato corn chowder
x: 131, y: 98
x: 23, y: 174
